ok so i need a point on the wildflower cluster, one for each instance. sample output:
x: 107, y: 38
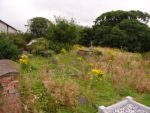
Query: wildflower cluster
x: 78, y: 47
x: 112, y: 56
x: 98, y: 73
x: 24, y: 60
x: 63, y: 51
x: 111, y: 53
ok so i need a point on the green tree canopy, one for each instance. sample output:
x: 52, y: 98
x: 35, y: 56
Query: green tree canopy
x: 39, y: 26
x: 64, y: 31
x: 114, y: 17
x: 123, y: 29
x: 86, y: 36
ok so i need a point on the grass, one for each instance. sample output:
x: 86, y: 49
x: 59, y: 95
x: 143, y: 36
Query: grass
x: 64, y: 83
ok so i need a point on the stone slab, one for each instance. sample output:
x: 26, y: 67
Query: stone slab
x: 126, y: 106
x: 8, y: 67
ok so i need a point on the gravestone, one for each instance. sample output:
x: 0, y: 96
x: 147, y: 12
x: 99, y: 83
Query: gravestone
x: 89, y: 51
x: 9, y: 94
x: 126, y: 106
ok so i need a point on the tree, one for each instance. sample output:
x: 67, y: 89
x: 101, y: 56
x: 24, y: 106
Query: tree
x: 64, y: 33
x: 137, y: 35
x: 86, y: 36
x: 123, y: 29
x: 39, y: 26
x: 114, y: 17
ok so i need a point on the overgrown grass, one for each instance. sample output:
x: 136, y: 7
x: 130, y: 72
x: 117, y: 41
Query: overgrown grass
x: 34, y: 95
x: 64, y: 83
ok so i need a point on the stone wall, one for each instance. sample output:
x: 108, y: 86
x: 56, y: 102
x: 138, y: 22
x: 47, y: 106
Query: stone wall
x: 9, y: 93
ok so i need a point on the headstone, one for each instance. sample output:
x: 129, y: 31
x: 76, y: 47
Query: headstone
x: 89, y: 51
x: 82, y: 100
x: 126, y: 106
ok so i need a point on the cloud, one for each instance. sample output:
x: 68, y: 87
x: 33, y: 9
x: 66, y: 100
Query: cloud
x: 17, y: 12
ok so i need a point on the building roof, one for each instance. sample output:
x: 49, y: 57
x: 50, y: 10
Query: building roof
x: 8, y: 66
x: 8, y: 25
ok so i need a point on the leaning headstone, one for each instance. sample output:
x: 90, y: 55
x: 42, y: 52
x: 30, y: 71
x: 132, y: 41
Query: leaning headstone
x: 9, y: 94
x: 126, y: 106
x: 82, y: 100
x: 88, y: 51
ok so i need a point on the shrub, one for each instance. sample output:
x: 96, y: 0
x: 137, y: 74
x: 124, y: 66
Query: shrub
x: 57, y: 46
x: 65, y: 31
x: 40, y: 46
x: 8, y: 50
x: 17, y: 39
x: 63, y: 34
x: 27, y: 37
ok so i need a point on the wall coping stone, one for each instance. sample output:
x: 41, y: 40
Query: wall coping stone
x: 8, y: 67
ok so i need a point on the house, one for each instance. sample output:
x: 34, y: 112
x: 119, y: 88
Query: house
x: 6, y: 28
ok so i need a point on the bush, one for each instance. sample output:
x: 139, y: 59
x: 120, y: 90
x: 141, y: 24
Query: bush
x: 57, y: 46
x: 86, y: 36
x: 65, y: 31
x: 27, y: 37
x: 41, y: 47
x: 17, y: 39
x: 8, y: 50
x: 63, y: 34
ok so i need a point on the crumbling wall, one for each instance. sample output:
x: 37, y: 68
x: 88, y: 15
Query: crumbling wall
x: 9, y: 93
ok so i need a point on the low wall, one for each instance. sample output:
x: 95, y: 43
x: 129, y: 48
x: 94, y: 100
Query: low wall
x: 9, y: 93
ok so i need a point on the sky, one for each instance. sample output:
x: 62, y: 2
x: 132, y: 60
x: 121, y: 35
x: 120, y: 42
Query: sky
x: 17, y: 12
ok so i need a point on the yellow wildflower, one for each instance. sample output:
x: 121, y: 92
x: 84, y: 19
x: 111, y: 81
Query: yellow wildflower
x: 24, y: 59
x: 97, y: 72
x: 112, y: 53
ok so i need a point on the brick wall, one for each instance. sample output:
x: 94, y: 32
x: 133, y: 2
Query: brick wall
x: 9, y: 93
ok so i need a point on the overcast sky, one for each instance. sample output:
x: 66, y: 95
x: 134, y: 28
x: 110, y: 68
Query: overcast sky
x: 17, y: 12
